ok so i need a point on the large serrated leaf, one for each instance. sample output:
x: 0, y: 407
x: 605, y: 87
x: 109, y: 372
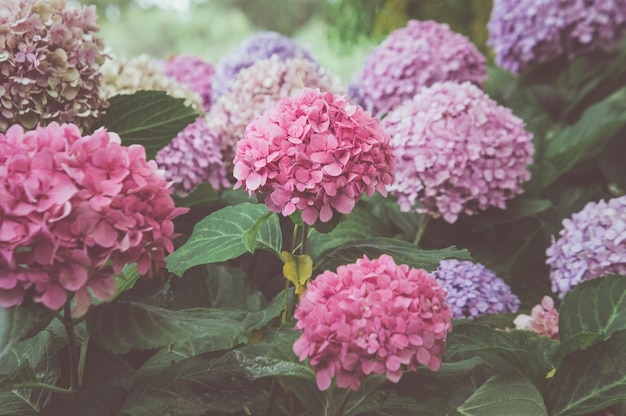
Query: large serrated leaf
x: 149, y: 118
x: 220, y: 237
x: 20, y: 322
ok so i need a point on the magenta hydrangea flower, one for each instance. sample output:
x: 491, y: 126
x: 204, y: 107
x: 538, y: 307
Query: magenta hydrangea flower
x: 194, y: 72
x: 543, y: 319
x: 50, y: 58
x: 316, y: 153
x: 591, y: 244
x: 193, y: 157
x: 413, y: 57
x: 457, y: 151
x: 371, y: 317
x: 75, y: 210
x: 527, y: 32
x: 473, y: 290
x: 260, y: 46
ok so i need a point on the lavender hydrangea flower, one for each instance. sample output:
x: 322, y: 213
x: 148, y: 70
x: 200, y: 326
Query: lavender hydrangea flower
x: 260, y: 46
x: 414, y: 57
x: 458, y: 151
x: 194, y: 72
x: 591, y: 244
x: 473, y: 290
x: 50, y: 59
x: 193, y: 157
x: 527, y: 32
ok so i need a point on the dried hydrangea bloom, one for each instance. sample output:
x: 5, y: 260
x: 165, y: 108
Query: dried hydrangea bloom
x: 372, y: 316
x: 257, y: 89
x: 414, y: 57
x: 50, y: 60
x: 591, y: 244
x: 523, y: 33
x: 316, y: 153
x: 129, y: 75
x: 256, y: 48
x: 473, y: 290
x: 458, y: 151
x: 543, y: 319
x: 193, y: 157
x: 74, y: 210
x: 194, y: 72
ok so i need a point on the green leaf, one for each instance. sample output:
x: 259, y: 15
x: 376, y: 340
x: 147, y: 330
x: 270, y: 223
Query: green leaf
x: 499, y: 395
x: 125, y: 281
x: 516, y: 209
x: 251, y: 237
x: 149, y: 118
x: 201, y: 195
x: 590, y: 380
x: 220, y: 237
x: 401, y: 251
x: 596, y: 306
x: 20, y: 322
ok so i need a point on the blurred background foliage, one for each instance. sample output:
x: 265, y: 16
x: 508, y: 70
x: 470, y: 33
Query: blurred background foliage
x: 340, y: 33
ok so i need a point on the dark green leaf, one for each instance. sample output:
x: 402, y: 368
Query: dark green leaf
x: 406, y: 406
x: 202, y: 195
x: 270, y: 238
x: 149, y: 118
x: 20, y: 322
x: 516, y: 209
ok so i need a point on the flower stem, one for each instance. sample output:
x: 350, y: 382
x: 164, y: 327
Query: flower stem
x: 344, y: 401
x: 424, y: 220
x: 82, y: 358
x: 71, y: 344
x: 272, y: 398
x: 43, y: 386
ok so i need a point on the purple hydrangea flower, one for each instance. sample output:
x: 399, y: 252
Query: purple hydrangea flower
x: 193, y: 157
x: 194, y: 72
x: 414, y: 57
x: 50, y: 59
x: 260, y: 46
x: 473, y: 290
x: 527, y: 32
x: 457, y: 151
x: 591, y: 244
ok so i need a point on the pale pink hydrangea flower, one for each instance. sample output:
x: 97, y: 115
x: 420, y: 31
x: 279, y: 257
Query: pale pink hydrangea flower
x: 543, y: 319
x: 75, y: 210
x: 316, y: 153
x: 458, y: 151
x: 371, y: 317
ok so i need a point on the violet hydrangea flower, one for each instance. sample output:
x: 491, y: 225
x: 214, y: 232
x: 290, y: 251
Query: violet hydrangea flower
x: 316, y: 153
x: 194, y: 72
x: 193, y: 157
x: 372, y: 316
x: 543, y: 319
x: 262, y: 45
x: 457, y: 151
x: 50, y: 61
x: 473, y: 290
x: 591, y: 244
x: 74, y: 210
x: 527, y: 32
x: 414, y: 57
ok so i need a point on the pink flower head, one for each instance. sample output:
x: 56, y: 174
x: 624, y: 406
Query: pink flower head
x: 194, y: 72
x: 414, y: 57
x: 316, y: 153
x: 50, y: 60
x: 543, y: 319
x: 74, y: 210
x: 458, y: 151
x: 371, y: 317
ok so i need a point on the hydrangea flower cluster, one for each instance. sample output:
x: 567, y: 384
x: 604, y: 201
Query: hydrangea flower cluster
x: 143, y: 72
x: 193, y: 157
x: 195, y: 73
x: 372, y: 316
x: 543, y: 319
x: 260, y: 46
x: 50, y: 61
x: 591, y: 244
x: 257, y: 89
x: 73, y: 211
x: 413, y: 57
x: 316, y: 153
x: 458, y: 151
x: 473, y: 290
x: 527, y: 32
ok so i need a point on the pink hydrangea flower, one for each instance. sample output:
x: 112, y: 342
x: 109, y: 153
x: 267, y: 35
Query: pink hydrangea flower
x: 371, y: 317
x: 316, y: 153
x: 543, y: 319
x: 457, y: 151
x: 50, y: 60
x: 75, y: 210
x: 194, y: 72
x: 413, y: 57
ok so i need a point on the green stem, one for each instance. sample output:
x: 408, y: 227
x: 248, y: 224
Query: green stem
x: 82, y: 359
x: 344, y: 401
x: 270, y: 403
x: 71, y: 344
x: 305, y: 237
x: 36, y: 408
x: 43, y: 386
x: 424, y: 220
